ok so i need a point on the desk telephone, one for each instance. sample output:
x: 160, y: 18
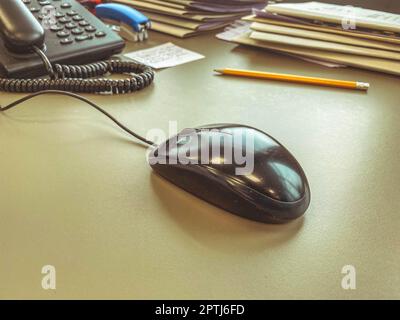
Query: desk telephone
x: 63, y: 40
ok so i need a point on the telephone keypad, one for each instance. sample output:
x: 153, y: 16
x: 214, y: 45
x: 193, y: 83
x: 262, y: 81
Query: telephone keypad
x: 68, y: 21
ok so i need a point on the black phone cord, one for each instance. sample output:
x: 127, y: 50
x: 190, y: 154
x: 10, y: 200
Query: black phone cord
x: 81, y: 78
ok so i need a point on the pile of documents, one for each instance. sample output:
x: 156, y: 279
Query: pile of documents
x: 326, y: 33
x: 184, y: 18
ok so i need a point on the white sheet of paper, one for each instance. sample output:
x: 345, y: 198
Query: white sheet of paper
x: 164, y: 56
x: 236, y: 29
x: 340, y: 14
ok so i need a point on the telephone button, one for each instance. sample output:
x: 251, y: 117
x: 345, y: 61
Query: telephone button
x: 71, y: 25
x: 77, y: 18
x: 84, y: 23
x: 77, y: 31
x: 90, y: 29
x: 56, y: 28
x: 64, y: 20
x: 34, y: 9
x: 82, y: 37
x: 100, y: 34
x: 59, y: 15
x: 63, y: 34
x: 44, y: 3
x: 27, y: 1
x: 72, y: 13
x: 66, y: 5
x: 66, y: 41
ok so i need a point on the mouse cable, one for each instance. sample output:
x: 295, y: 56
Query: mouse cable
x: 76, y: 96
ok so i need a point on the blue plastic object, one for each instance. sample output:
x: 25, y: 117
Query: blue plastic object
x: 123, y: 13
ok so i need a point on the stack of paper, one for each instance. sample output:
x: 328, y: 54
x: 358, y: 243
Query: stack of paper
x: 184, y: 18
x: 328, y: 33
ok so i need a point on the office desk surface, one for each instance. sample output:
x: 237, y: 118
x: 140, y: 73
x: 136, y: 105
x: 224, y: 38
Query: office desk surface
x: 77, y: 193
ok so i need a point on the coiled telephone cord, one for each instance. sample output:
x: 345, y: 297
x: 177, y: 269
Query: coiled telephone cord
x: 81, y: 78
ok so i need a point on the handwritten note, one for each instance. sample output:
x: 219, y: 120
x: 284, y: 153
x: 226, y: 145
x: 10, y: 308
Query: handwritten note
x: 164, y: 56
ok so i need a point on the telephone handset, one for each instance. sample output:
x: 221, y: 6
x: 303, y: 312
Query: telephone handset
x: 63, y: 40
x: 19, y: 35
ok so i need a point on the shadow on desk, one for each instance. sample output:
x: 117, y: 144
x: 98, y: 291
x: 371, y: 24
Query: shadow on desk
x: 216, y: 228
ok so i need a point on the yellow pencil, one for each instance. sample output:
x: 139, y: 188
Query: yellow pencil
x: 294, y: 78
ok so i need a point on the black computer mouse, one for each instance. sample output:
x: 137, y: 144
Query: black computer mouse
x: 237, y: 168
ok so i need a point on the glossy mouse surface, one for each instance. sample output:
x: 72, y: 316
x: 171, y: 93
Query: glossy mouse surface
x: 237, y: 168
